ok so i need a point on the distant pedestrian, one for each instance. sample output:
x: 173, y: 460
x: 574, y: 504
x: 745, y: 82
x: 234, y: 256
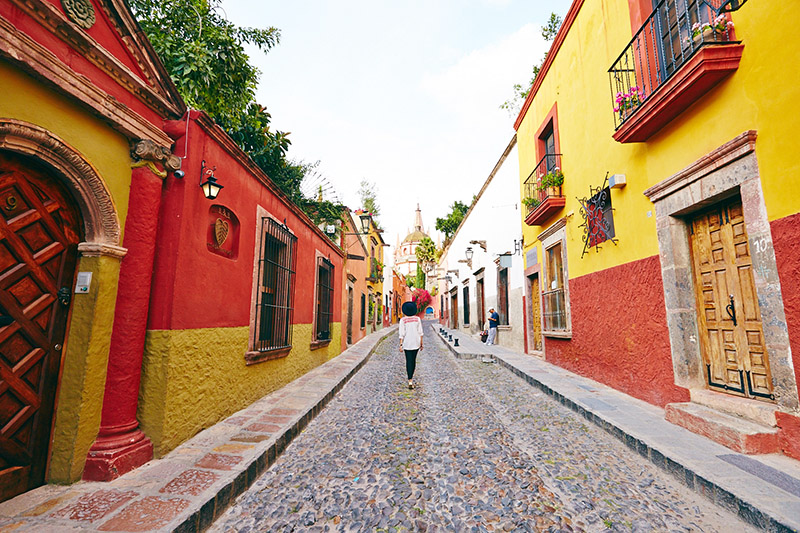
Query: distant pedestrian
x: 494, y: 319
x: 410, y: 338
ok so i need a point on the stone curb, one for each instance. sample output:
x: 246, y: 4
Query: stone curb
x: 736, y: 499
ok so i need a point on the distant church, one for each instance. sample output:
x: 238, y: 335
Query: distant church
x: 405, y: 253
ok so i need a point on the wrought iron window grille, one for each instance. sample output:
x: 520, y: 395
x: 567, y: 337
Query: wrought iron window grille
x: 276, y: 273
x: 671, y: 35
x: 324, y: 299
x: 597, y: 214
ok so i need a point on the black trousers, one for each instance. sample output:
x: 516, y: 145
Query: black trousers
x: 411, y: 362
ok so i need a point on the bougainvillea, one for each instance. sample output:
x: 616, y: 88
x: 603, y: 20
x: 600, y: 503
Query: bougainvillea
x: 422, y: 299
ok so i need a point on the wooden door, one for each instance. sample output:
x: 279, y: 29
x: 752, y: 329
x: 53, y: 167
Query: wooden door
x: 454, y: 311
x: 729, y: 321
x: 39, y: 232
x: 349, y: 315
x: 536, y: 313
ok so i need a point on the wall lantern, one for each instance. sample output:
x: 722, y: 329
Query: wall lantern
x: 469, y: 253
x: 365, y: 222
x: 210, y: 187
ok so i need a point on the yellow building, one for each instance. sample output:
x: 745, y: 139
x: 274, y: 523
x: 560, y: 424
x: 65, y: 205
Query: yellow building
x: 373, y: 242
x: 656, y: 161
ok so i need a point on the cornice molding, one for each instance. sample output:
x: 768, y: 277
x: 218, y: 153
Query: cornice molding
x: 736, y: 148
x: 42, y: 63
x: 559, y: 224
x: 163, y: 98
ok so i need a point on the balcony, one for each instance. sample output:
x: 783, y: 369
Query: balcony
x: 375, y: 271
x: 680, y: 53
x: 542, y: 190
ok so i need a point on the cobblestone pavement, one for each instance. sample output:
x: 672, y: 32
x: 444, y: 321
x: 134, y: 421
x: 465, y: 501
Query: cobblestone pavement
x: 472, y: 448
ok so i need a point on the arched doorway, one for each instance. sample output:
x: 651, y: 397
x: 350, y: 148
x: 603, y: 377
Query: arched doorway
x: 40, y: 228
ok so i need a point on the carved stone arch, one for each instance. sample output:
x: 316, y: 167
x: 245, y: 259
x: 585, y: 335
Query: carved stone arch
x: 101, y: 223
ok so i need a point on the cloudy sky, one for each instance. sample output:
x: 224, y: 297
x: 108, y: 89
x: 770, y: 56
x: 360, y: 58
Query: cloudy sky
x: 404, y: 94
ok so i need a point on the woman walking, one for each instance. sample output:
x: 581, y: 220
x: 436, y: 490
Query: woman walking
x: 410, y: 338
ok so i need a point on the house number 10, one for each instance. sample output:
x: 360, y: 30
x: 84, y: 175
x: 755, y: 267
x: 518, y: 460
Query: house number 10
x: 761, y: 245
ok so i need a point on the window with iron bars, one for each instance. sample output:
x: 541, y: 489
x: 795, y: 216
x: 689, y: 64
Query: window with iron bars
x: 324, y: 299
x: 276, y: 272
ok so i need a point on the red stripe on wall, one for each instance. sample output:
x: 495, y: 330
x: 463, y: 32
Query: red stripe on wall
x: 619, y: 332
x: 785, y: 236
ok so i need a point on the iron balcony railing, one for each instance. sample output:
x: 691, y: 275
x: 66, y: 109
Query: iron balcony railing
x: 535, y: 189
x: 671, y: 35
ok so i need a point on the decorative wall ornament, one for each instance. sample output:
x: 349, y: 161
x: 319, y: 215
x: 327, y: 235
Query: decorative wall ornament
x: 223, y: 232
x: 596, y: 225
x: 80, y: 12
x: 148, y: 153
x: 221, y: 229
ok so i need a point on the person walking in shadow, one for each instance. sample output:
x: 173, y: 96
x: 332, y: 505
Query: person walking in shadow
x: 410, y: 333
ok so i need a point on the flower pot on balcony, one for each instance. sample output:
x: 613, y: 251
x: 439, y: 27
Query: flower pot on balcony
x: 553, y: 192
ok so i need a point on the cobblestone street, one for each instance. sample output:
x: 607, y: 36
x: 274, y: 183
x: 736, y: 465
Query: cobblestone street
x: 472, y: 448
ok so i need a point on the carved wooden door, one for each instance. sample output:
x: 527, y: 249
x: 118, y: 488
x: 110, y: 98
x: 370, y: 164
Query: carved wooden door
x: 729, y: 321
x: 536, y: 314
x: 39, y: 232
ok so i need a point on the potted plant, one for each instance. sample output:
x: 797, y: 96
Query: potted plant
x: 531, y: 202
x: 714, y: 31
x: 627, y: 102
x: 551, y: 182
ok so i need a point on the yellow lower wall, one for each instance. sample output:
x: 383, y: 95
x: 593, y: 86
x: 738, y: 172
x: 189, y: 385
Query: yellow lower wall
x: 83, y: 375
x: 192, y: 379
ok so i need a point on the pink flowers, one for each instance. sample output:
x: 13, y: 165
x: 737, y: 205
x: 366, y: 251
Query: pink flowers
x: 629, y: 100
x: 719, y: 25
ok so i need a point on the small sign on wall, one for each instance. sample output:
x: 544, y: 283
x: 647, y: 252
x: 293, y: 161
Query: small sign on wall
x: 83, y: 282
x: 223, y: 232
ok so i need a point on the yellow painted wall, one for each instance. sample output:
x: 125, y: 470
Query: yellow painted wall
x: 83, y: 377
x: 105, y: 149
x: 192, y: 379
x: 761, y: 95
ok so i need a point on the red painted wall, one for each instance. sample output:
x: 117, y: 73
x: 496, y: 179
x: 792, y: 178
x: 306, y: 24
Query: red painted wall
x: 785, y: 236
x: 195, y: 288
x: 619, y: 333
x: 105, y: 35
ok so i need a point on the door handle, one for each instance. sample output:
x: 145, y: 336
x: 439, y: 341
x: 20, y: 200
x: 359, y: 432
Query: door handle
x: 64, y: 295
x: 731, y: 310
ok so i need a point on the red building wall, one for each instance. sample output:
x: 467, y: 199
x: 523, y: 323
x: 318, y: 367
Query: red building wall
x: 194, y: 288
x: 619, y: 332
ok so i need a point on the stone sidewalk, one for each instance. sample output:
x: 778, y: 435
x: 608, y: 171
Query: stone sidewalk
x: 191, y: 486
x: 763, y: 490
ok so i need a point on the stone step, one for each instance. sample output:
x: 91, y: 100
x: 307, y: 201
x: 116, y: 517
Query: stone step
x: 757, y: 411
x: 736, y: 433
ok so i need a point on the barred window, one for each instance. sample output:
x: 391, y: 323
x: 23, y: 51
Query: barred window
x: 466, y: 305
x: 276, y: 270
x: 324, y: 299
x: 363, y: 311
x: 554, y: 298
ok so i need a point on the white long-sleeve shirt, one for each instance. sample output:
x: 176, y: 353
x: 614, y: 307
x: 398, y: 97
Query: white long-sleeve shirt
x: 410, y: 332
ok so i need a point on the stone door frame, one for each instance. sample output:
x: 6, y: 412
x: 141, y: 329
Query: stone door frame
x: 727, y: 171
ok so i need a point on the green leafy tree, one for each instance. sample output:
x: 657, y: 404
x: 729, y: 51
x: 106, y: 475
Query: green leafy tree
x: 204, y: 53
x: 427, y: 257
x: 369, y: 202
x: 549, y: 32
x: 449, y: 224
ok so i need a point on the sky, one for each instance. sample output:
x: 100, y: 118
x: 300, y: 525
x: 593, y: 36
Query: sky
x: 403, y: 94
